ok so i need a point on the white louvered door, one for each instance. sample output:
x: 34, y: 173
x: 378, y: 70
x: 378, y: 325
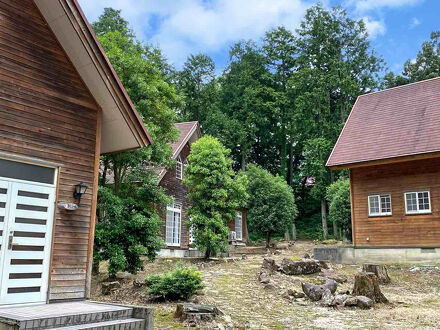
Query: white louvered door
x: 26, y: 218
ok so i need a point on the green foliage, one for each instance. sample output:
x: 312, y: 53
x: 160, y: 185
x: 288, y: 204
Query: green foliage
x: 338, y: 195
x: 425, y: 66
x: 215, y: 193
x: 179, y: 284
x: 271, y: 203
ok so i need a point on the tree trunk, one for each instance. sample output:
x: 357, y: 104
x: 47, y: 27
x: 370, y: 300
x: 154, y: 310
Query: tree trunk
x: 324, y: 218
x: 95, y: 266
x: 287, y: 235
x: 367, y: 284
x: 378, y: 270
x: 243, y: 162
x: 267, y: 240
x: 335, y: 230
x: 293, y: 232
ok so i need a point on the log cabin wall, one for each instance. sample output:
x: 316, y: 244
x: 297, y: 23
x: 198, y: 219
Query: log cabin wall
x: 46, y: 112
x: 399, y: 229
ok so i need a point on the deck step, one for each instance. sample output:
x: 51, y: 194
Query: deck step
x: 125, y: 324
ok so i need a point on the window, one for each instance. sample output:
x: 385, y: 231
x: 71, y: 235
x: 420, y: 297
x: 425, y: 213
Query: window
x: 379, y: 205
x: 174, y: 216
x: 179, y: 169
x: 239, y: 225
x: 417, y: 202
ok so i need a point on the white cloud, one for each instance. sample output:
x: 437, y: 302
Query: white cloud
x: 367, y: 5
x: 189, y: 26
x: 374, y: 28
x: 414, y: 22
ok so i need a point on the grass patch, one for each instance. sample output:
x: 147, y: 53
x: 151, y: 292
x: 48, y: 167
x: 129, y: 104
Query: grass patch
x: 165, y: 318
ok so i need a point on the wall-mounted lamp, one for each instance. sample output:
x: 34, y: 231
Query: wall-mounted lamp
x: 80, y: 189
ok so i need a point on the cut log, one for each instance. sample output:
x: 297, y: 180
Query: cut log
x: 380, y: 271
x: 367, y: 284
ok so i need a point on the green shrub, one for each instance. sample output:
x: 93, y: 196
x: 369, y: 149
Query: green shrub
x: 179, y: 284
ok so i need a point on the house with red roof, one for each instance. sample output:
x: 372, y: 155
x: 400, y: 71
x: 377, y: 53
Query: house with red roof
x: 390, y: 145
x: 176, y: 234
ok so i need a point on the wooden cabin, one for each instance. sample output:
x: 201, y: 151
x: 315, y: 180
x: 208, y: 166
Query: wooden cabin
x: 61, y: 107
x: 177, y: 236
x: 391, y: 146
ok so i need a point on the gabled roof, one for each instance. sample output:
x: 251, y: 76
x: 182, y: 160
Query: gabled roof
x: 398, y: 122
x: 122, y: 128
x: 188, y: 132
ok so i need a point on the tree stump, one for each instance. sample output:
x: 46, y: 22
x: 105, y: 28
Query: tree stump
x: 367, y: 284
x: 379, y: 270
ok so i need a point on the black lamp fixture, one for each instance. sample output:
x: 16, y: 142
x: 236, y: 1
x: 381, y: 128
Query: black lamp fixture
x: 80, y: 189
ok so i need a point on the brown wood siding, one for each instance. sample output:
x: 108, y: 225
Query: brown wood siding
x: 47, y: 113
x: 174, y: 187
x: 396, y: 179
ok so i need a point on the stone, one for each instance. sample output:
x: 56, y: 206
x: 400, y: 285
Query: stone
x: 109, y: 287
x: 138, y: 283
x: 300, y: 267
x: 364, y: 302
x: 327, y: 298
x: 351, y: 301
x: 196, y: 312
x: 124, y: 276
x: 306, y: 256
x: 367, y: 284
x: 340, y: 299
x: 333, y: 275
x: 269, y: 286
x: 277, y: 252
x: 264, y: 277
x: 315, y: 292
x: 269, y: 265
x: 244, y: 256
x: 298, y: 295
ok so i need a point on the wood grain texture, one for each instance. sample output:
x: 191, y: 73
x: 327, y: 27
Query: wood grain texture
x: 399, y: 229
x: 48, y: 113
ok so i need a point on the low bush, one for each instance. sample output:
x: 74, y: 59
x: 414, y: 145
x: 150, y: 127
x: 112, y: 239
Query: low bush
x: 179, y: 284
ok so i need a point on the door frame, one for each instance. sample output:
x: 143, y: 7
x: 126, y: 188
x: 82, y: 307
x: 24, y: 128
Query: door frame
x: 57, y: 170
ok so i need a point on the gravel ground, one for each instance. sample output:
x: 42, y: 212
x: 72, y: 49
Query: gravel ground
x: 233, y: 287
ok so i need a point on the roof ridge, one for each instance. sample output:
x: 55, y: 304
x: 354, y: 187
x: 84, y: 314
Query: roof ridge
x: 400, y: 86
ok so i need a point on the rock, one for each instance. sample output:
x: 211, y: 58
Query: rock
x: 367, y: 284
x: 333, y: 275
x: 327, y: 298
x: 351, y: 301
x: 364, y: 302
x: 269, y: 265
x: 264, y: 277
x: 315, y: 292
x: 298, y: 295
x: 138, y: 283
x: 300, y: 267
x: 286, y: 295
x: 277, y: 252
x: 108, y: 287
x: 269, y: 286
x: 322, y: 264
x: 124, y: 276
x: 340, y: 299
x: 306, y: 256
x: 244, y: 256
x: 196, y: 312
x: 378, y: 270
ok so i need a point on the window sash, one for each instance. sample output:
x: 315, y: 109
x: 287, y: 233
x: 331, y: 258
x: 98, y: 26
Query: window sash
x: 179, y: 169
x: 376, y: 205
x: 239, y: 226
x: 173, y: 225
x: 420, y: 200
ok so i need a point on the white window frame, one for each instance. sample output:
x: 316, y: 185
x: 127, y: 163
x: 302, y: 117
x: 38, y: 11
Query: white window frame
x: 418, y: 211
x: 239, y: 233
x: 381, y: 213
x: 179, y: 169
x: 175, y: 208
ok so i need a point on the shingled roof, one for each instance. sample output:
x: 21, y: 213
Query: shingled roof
x: 396, y: 122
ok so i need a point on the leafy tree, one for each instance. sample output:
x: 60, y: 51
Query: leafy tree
x: 215, y: 193
x: 425, y: 66
x: 111, y: 20
x: 271, y: 203
x: 335, y: 65
x: 128, y: 227
x: 197, y: 83
x: 338, y: 196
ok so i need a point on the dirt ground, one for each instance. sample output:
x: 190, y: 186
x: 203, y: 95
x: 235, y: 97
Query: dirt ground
x: 233, y: 287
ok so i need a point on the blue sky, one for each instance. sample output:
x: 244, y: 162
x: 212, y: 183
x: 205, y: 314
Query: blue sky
x: 180, y: 27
